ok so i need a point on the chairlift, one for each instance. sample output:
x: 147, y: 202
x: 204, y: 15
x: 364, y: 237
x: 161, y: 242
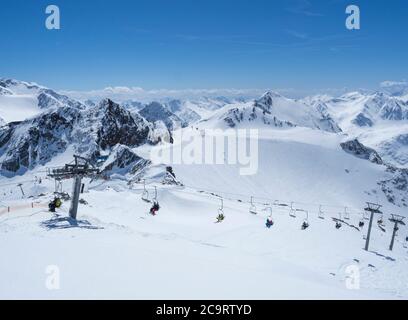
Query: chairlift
x: 292, y: 212
x: 346, y: 214
x: 380, y: 220
x: 268, y: 207
x: 269, y: 221
x: 252, y: 208
x: 361, y: 223
x: 305, y: 223
x: 338, y: 223
x: 321, y: 213
x: 221, y: 215
x: 145, y: 194
x: 156, y: 205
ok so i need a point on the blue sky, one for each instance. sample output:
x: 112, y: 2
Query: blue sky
x: 178, y: 44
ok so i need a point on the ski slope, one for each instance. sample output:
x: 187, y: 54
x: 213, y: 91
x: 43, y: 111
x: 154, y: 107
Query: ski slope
x: 118, y: 250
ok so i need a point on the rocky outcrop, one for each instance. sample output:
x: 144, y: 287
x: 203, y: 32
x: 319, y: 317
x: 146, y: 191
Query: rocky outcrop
x: 157, y: 112
x: 36, y: 141
x: 359, y: 150
x: 395, y: 188
x: 123, y: 160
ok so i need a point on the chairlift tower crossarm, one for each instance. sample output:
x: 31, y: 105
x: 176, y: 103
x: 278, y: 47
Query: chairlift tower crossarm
x: 78, y: 170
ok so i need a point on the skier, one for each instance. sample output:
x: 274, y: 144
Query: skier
x: 361, y: 224
x: 338, y: 225
x: 154, y: 208
x: 269, y: 223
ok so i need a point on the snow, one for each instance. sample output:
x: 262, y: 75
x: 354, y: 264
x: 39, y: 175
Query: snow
x: 18, y: 107
x: 116, y: 250
x: 119, y: 251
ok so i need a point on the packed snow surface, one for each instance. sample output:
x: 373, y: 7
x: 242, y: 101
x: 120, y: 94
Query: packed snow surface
x: 117, y: 250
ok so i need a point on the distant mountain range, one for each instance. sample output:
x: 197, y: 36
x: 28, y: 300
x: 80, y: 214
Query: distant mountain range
x: 37, y: 123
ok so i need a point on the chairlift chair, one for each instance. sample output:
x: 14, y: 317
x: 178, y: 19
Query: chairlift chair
x: 380, y: 220
x: 269, y: 221
x: 221, y: 215
x: 321, y: 213
x: 145, y: 194
x: 346, y: 214
x: 292, y: 212
x: 252, y: 208
x: 305, y: 223
x: 338, y: 223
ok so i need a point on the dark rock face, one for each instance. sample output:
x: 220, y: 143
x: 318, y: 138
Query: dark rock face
x: 362, y: 121
x: 118, y: 126
x: 396, y: 187
x: 359, y: 150
x: 156, y: 111
x: 326, y: 122
x: 235, y: 116
x: 266, y: 102
x: 123, y: 160
x: 36, y: 141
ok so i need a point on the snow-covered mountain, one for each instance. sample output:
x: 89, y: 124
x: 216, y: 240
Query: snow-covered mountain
x: 273, y: 110
x: 377, y: 119
x: 313, y: 165
x: 156, y: 112
x: 189, y: 111
x: 20, y: 100
x: 91, y: 132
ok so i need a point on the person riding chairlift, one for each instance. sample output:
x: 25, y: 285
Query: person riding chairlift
x: 154, y: 208
x: 56, y: 203
x: 220, y: 217
x: 269, y: 222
